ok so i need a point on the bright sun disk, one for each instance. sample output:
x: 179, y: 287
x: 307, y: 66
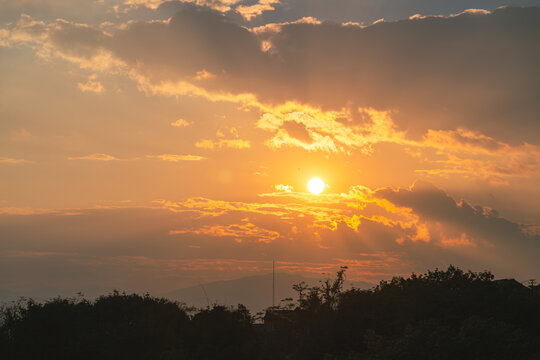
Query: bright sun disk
x: 315, y: 186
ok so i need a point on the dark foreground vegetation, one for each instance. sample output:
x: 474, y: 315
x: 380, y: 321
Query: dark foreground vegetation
x: 448, y: 314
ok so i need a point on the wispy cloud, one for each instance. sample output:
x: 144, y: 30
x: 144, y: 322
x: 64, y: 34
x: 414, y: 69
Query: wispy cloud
x: 221, y: 143
x: 176, y: 158
x: 242, y: 232
x: 8, y: 160
x: 95, y: 157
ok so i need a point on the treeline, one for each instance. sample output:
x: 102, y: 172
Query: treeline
x: 448, y: 314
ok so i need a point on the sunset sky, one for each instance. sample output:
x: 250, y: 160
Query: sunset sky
x: 149, y: 145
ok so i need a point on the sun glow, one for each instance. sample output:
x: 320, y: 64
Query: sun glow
x: 315, y: 186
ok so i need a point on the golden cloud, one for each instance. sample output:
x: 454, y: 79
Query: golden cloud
x: 387, y: 218
x: 329, y: 131
x: 283, y: 188
x: 250, y: 11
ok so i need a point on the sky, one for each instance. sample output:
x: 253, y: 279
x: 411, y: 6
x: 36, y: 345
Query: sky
x: 150, y: 145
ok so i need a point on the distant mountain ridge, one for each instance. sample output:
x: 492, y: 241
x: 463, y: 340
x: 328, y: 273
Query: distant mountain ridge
x: 255, y: 292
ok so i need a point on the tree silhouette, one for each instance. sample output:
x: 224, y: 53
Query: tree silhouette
x: 441, y: 314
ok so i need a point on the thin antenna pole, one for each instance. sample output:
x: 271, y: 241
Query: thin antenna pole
x: 273, y: 283
x: 205, y: 295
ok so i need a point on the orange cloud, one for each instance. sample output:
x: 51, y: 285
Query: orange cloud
x: 251, y: 11
x: 421, y: 214
x: 96, y: 157
x: 7, y: 160
x: 92, y: 85
x: 235, y: 143
x: 230, y: 143
x: 176, y: 158
x: 462, y: 240
x: 327, y: 211
x: 203, y: 74
x: 180, y: 123
x: 240, y: 232
x: 493, y: 162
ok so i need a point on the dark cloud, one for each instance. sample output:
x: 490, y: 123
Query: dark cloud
x: 76, y: 39
x: 513, y: 243
x: 367, y: 11
x: 477, y: 71
x: 297, y: 131
x: 473, y: 70
x: 433, y: 204
x: 195, y: 39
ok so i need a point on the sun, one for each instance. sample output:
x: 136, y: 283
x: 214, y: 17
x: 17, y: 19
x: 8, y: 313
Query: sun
x: 315, y: 186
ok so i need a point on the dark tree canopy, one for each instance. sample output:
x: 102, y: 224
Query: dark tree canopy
x: 442, y: 314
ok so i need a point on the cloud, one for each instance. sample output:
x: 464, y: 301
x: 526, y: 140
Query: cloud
x: 176, y: 158
x: 378, y: 233
x: 447, y: 145
x: 218, y: 5
x: 81, y: 44
x: 96, y: 157
x: 180, y: 123
x: 151, y: 4
x: 473, y: 155
x: 91, y: 85
x: 7, y: 160
x: 164, y: 157
x: 284, y: 188
x: 422, y: 213
x: 367, y: 73
x: 324, y: 87
x: 450, y: 219
x: 462, y: 240
x: 245, y: 231
x: 251, y: 11
x: 221, y: 143
x: 314, y: 129
x: 367, y: 67
x: 350, y: 66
